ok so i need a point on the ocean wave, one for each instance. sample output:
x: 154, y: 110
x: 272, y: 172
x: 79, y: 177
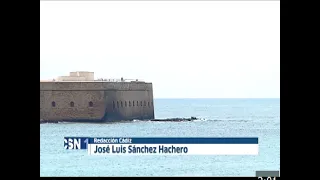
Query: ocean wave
x: 226, y: 120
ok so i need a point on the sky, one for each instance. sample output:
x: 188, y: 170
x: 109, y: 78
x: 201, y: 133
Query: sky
x: 186, y: 49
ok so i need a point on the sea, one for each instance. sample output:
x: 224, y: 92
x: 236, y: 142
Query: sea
x: 219, y: 118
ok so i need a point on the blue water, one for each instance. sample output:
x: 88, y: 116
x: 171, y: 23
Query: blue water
x: 224, y: 118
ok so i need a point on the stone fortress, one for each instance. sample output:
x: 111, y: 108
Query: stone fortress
x: 80, y: 98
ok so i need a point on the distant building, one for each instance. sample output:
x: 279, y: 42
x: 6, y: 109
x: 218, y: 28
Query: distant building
x: 78, y: 76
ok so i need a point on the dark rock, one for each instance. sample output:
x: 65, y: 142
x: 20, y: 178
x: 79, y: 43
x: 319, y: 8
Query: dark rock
x: 175, y: 119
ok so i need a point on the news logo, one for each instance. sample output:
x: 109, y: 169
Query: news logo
x: 75, y: 143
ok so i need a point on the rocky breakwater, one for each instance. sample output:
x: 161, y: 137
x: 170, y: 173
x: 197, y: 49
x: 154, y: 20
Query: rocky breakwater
x: 176, y: 119
x: 98, y: 121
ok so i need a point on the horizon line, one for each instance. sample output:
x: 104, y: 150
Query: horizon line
x: 218, y: 98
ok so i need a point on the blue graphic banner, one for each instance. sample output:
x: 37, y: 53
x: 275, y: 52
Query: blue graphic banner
x: 82, y: 142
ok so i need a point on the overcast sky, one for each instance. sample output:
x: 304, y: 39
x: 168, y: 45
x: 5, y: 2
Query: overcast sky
x: 186, y: 49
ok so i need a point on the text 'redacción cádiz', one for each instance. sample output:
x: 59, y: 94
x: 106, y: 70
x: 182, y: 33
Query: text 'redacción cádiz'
x: 124, y: 147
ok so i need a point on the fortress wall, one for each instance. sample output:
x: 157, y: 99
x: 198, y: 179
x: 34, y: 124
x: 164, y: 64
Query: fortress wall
x: 105, y: 97
x: 63, y: 109
x: 119, y: 86
x: 131, y: 105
